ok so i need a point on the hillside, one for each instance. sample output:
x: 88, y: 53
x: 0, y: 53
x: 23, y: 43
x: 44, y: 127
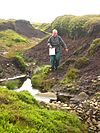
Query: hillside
x: 78, y: 26
x: 22, y: 27
x: 82, y: 58
x: 42, y: 26
x: 17, y: 36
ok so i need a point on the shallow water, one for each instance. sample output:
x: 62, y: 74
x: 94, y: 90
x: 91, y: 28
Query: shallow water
x: 45, y: 97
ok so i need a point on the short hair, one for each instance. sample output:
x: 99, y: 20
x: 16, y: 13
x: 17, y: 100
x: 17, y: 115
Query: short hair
x: 54, y: 31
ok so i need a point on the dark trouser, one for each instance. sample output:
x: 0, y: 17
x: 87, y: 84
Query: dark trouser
x: 54, y: 60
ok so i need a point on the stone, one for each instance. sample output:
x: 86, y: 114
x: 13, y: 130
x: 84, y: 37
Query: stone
x: 87, y: 113
x: 98, y: 126
x: 80, y: 111
x: 80, y: 105
x: 59, y: 102
x: 65, y: 105
x: 68, y: 108
x: 53, y: 100
x: 65, y: 108
x: 94, y: 121
x: 98, y: 77
x: 62, y: 104
x: 64, y: 97
x: 79, y: 98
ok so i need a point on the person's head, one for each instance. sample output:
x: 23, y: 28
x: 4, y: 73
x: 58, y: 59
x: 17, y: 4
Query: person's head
x: 54, y: 32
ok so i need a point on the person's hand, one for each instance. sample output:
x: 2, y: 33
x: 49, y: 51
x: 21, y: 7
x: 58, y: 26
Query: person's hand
x: 66, y: 49
x: 50, y: 46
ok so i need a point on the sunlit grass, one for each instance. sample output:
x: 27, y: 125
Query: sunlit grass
x: 12, y: 42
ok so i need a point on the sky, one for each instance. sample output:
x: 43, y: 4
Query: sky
x: 46, y: 10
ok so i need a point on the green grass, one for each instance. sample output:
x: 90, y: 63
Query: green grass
x: 21, y: 113
x: 12, y: 84
x: 94, y: 46
x: 75, y: 26
x: 14, y: 43
x: 81, y: 62
x: 70, y: 76
x: 97, y: 94
x: 39, y: 77
x: 41, y: 26
x: 10, y: 37
x: 19, y: 61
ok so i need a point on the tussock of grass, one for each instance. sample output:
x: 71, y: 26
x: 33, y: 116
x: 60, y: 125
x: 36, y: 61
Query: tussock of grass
x: 94, y: 46
x: 70, y: 76
x: 81, y: 62
x: 39, y: 77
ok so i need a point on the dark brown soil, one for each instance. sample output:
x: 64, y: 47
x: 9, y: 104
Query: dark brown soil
x: 8, y: 68
x: 24, y: 27
x: 40, y: 51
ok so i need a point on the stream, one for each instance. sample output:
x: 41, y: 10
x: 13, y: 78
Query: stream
x: 45, y: 97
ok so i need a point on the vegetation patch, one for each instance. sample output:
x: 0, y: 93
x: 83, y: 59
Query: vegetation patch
x: 75, y: 26
x: 97, y: 94
x: 39, y: 77
x: 81, y: 62
x: 23, y: 114
x: 10, y: 37
x: 48, y: 84
x: 12, y: 84
x: 94, y: 46
x: 70, y: 76
x: 41, y: 26
x: 19, y: 61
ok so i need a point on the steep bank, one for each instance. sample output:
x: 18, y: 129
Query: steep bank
x: 22, y: 27
x: 40, y: 51
x: 10, y: 67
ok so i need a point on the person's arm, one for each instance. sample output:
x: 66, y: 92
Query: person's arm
x: 49, y: 43
x: 63, y: 44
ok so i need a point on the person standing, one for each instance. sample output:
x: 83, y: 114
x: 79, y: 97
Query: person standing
x: 54, y: 42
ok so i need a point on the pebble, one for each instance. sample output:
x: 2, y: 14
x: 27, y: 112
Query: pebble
x: 98, y: 126
x: 65, y: 105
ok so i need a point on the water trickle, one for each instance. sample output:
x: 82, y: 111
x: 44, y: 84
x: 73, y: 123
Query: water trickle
x: 45, y: 97
x: 27, y: 85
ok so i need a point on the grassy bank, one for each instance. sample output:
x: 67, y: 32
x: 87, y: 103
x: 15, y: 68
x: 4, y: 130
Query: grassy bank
x: 21, y: 113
